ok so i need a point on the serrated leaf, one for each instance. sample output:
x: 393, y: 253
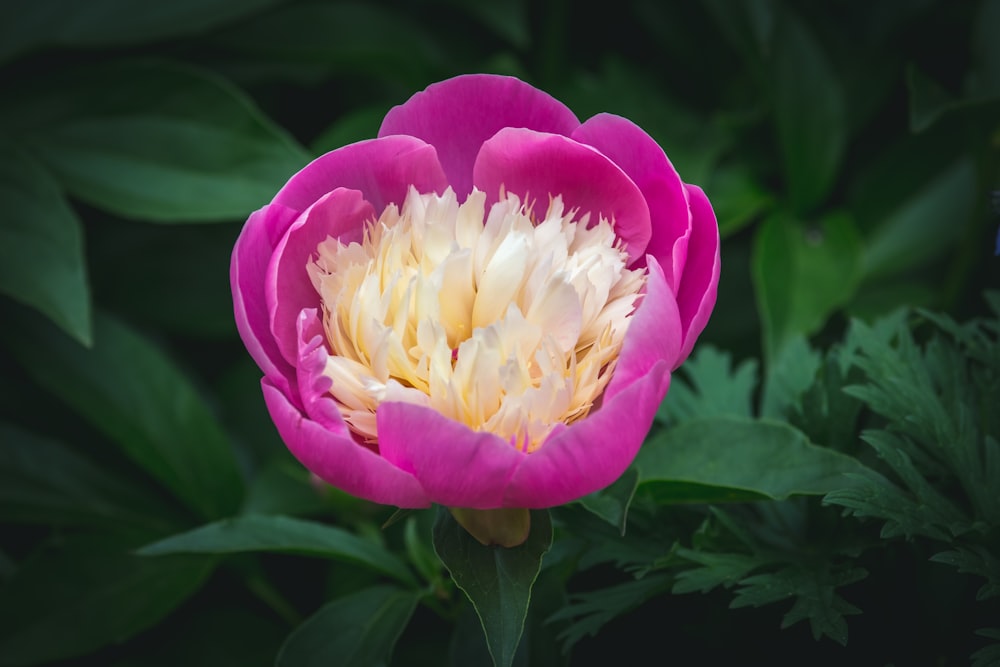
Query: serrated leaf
x: 357, y: 630
x: 802, y: 274
x: 717, y: 569
x: 253, y: 532
x: 788, y: 378
x: 612, y: 503
x: 710, y: 388
x: 30, y: 24
x: 591, y: 611
x: 815, y: 596
x: 44, y: 481
x: 988, y: 656
x: 89, y: 593
x: 729, y: 459
x: 974, y: 559
x: 496, y: 580
x: 41, y: 246
x: 131, y: 391
x: 158, y: 142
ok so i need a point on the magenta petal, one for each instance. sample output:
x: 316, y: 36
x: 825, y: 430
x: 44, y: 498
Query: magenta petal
x: 591, y: 453
x: 646, y: 164
x: 248, y: 266
x: 383, y: 169
x: 288, y: 289
x: 456, y: 116
x: 700, y: 282
x: 313, y: 385
x: 457, y: 466
x: 337, y: 459
x: 535, y: 165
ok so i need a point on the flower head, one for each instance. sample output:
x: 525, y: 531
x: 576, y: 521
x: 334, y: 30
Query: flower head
x: 482, y: 306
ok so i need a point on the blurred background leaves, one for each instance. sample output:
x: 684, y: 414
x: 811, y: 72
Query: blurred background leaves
x: 849, y: 150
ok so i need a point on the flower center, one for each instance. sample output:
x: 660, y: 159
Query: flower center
x: 512, y: 325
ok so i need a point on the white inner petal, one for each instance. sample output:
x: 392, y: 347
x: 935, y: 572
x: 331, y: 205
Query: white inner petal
x: 512, y: 325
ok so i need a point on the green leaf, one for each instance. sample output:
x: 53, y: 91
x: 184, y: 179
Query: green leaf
x: 809, y: 112
x: 41, y: 246
x: 210, y: 634
x: 496, y: 580
x: 44, y: 481
x: 924, y: 225
x: 591, y: 611
x: 131, y: 391
x: 358, y: 630
x: 789, y: 377
x: 988, y: 656
x: 975, y: 559
x: 815, y: 597
x: 306, y: 42
x: 710, y: 387
x: 802, y: 274
x: 254, y: 532
x: 185, y: 276
x: 737, y: 197
x: 611, y: 503
x: 159, y: 142
x: 355, y: 125
x: 693, y: 145
x: 30, y: 24
x: 88, y: 593
x: 729, y: 459
x: 715, y: 569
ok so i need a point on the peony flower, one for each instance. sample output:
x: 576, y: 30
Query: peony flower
x: 482, y: 306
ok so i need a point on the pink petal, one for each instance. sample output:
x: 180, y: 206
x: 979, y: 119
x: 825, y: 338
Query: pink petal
x: 456, y: 116
x: 383, y: 169
x: 457, y: 466
x: 591, y: 453
x: 313, y: 385
x: 333, y: 455
x: 646, y: 164
x: 248, y: 266
x: 535, y: 165
x: 696, y: 296
x: 288, y: 288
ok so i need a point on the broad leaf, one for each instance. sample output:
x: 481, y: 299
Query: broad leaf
x: 158, y: 142
x: 41, y: 246
x: 29, y: 24
x: 929, y: 221
x: 285, y: 534
x: 306, y: 42
x: 611, y: 503
x: 809, y: 111
x: 801, y: 274
x: 358, y: 630
x: 86, y: 594
x: 131, y: 391
x: 44, y: 481
x: 730, y: 459
x: 497, y: 580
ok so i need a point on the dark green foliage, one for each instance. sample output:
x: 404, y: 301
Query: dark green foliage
x: 831, y: 447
